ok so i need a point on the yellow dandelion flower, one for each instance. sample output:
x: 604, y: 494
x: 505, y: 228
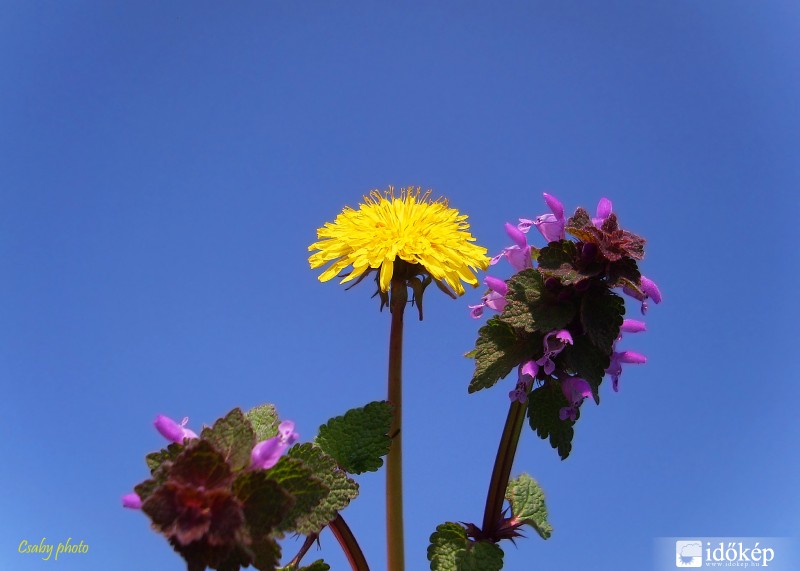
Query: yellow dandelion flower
x: 387, y: 229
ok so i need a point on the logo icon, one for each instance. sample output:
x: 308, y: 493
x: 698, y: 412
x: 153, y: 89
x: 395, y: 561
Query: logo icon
x: 689, y: 553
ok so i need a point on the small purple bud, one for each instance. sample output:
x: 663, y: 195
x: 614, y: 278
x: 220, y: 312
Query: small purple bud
x: 173, y: 431
x: 266, y: 453
x: 631, y: 357
x: 651, y: 289
x: 516, y: 235
x: 496, y: 284
x: 132, y: 501
x: 633, y: 326
x: 554, y: 204
x: 603, y: 212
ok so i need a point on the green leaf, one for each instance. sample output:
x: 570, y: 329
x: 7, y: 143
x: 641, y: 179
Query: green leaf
x: 497, y: 351
x: 265, y: 503
x: 318, y: 565
x: 359, y: 439
x: 341, y: 489
x: 200, y: 465
x: 233, y: 436
x: 601, y: 316
x: 622, y: 272
x: 544, y: 404
x: 156, y: 459
x: 266, y: 553
x: 527, y: 504
x: 307, y: 490
x: 582, y: 359
x: 264, y: 420
x: 533, y: 307
x: 451, y: 550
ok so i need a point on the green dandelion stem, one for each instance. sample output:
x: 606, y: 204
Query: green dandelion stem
x: 394, y: 460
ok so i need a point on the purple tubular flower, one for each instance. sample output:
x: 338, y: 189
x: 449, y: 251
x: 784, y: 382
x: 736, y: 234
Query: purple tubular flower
x: 554, y: 343
x: 132, y: 501
x: 266, y: 453
x: 173, y: 431
x: 633, y: 326
x: 518, y: 255
x: 495, y: 299
x: 649, y: 290
x: 575, y: 390
x: 603, y: 212
x: 526, y: 373
x: 617, y: 359
x: 551, y: 226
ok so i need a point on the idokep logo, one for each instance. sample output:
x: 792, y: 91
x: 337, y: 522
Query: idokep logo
x: 768, y: 553
x: 689, y: 553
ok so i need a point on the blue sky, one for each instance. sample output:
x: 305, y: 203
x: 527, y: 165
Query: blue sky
x: 164, y: 166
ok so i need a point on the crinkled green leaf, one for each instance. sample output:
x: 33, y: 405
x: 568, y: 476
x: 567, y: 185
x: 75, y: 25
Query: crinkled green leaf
x: 622, y: 272
x: 498, y: 350
x: 359, y: 439
x: 233, y: 436
x: 307, y: 490
x: 544, y: 404
x: 264, y: 420
x: 582, y: 359
x: 200, y: 464
x: 612, y: 242
x: 527, y: 504
x: 265, y: 502
x: 266, y: 554
x: 156, y: 459
x: 341, y: 489
x: 146, y: 488
x: 531, y: 306
x: 601, y: 316
x: 451, y: 550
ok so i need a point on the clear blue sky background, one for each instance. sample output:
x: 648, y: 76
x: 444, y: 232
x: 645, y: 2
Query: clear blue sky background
x: 164, y: 166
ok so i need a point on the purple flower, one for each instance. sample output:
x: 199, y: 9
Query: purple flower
x: 575, y: 390
x: 619, y: 357
x: 603, y: 212
x: 173, y: 431
x: 649, y: 290
x: 554, y: 343
x: 132, y: 501
x: 519, y: 254
x: 495, y: 299
x: 551, y: 226
x: 266, y: 453
x: 526, y: 372
x: 615, y: 368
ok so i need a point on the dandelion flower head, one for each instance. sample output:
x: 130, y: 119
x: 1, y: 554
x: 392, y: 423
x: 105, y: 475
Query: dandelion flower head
x: 386, y: 229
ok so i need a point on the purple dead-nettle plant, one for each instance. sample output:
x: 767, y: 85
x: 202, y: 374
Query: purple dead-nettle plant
x: 573, y: 287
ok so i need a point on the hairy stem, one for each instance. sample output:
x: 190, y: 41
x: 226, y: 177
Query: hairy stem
x: 492, y: 514
x: 303, y: 550
x: 349, y: 544
x: 394, y: 460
